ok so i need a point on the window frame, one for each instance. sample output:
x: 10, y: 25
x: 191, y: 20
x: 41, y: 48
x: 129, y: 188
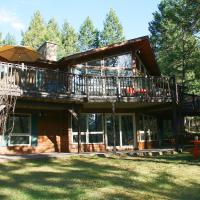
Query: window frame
x: 87, y: 132
x: 102, y: 61
x: 120, y: 129
x: 21, y: 134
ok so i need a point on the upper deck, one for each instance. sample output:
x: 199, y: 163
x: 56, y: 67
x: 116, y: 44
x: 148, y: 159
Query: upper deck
x: 56, y: 85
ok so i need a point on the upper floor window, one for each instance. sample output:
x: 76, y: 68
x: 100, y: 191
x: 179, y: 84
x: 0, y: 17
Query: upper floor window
x: 94, y: 67
x: 118, y: 65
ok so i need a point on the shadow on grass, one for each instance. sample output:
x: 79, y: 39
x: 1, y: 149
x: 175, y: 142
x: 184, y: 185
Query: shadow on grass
x: 76, y: 178
x: 181, y: 158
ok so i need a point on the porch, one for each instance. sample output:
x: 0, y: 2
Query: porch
x: 46, y: 83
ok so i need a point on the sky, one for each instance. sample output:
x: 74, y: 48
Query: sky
x: 134, y: 15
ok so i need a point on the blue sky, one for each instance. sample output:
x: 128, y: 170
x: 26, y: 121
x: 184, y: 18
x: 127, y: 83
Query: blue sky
x: 134, y: 15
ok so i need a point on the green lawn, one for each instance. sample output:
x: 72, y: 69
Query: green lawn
x: 166, y: 177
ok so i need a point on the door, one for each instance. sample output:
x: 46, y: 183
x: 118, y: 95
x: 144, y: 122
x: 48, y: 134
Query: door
x: 109, y: 130
x: 124, y: 130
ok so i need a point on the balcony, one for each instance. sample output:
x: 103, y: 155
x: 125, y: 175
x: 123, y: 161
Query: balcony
x: 47, y: 83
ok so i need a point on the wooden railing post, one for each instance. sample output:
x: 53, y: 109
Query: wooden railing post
x: 87, y: 89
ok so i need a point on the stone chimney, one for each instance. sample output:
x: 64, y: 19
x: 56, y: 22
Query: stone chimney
x: 48, y: 51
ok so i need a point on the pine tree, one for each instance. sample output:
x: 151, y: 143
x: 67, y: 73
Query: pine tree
x: 69, y: 40
x: 173, y: 34
x: 35, y: 35
x: 1, y: 40
x: 112, y: 31
x: 9, y: 40
x: 87, y: 35
x: 53, y: 34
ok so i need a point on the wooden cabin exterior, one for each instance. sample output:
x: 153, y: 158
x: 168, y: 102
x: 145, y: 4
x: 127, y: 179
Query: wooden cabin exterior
x: 99, y: 100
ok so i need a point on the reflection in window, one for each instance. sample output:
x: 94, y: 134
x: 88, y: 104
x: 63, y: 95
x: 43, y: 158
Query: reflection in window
x: 110, y: 133
x: 95, y: 138
x: 83, y: 121
x: 123, y: 62
x: 109, y: 63
x: 22, y: 124
x: 142, y: 136
x: 16, y: 140
x: 75, y: 138
x: 95, y: 122
x: 91, y: 128
x: 118, y: 65
x: 127, y: 129
x: 126, y: 62
x: 79, y: 69
x: 21, y: 132
x: 94, y: 67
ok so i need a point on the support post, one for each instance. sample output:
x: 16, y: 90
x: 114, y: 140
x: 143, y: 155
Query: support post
x: 160, y: 131
x: 114, y: 130
x: 135, y: 142
x: 175, y: 114
x: 79, y: 134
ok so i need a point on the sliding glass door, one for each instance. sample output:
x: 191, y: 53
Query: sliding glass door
x: 110, y: 132
x: 123, y: 127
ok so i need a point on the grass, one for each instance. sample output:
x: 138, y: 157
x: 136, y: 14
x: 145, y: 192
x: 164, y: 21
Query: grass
x: 166, y: 177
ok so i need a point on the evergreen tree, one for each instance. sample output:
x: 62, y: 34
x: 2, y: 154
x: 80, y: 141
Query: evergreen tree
x: 173, y: 34
x: 69, y: 40
x: 1, y: 40
x: 112, y: 31
x: 53, y: 34
x: 35, y: 35
x: 9, y: 40
x: 87, y: 35
x: 97, y: 38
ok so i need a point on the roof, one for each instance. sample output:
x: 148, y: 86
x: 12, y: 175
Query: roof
x: 141, y: 45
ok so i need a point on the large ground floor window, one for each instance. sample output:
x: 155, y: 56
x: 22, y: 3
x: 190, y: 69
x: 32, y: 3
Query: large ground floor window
x: 91, y: 127
x: 95, y: 127
x: 20, y: 125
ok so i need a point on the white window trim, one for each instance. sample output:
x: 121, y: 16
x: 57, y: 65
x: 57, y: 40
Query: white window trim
x: 21, y: 134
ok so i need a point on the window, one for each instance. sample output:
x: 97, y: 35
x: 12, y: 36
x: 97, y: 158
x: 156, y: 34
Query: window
x: 83, y: 127
x: 95, y: 123
x: 91, y: 127
x: 147, y: 128
x: 120, y: 65
x: 110, y: 131
x: 127, y: 129
x: 21, y: 134
x: 75, y: 138
x: 95, y: 138
x: 94, y: 67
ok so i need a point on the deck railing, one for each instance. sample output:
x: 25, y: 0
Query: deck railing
x: 33, y: 80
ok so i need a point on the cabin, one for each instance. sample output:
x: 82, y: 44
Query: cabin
x: 105, y: 99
